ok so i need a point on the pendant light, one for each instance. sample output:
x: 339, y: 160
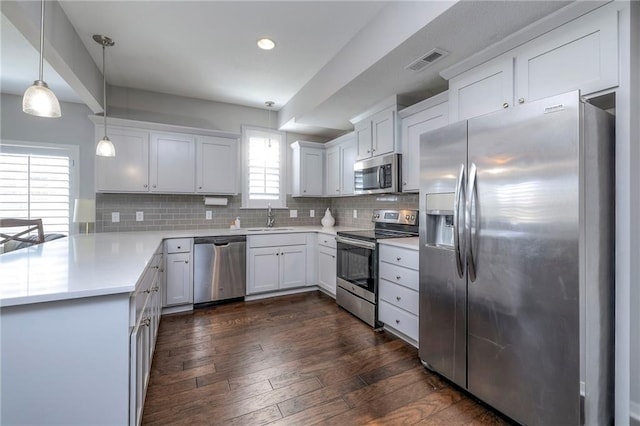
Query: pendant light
x: 38, y: 99
x: 269, y: 105
x: 105, y: 147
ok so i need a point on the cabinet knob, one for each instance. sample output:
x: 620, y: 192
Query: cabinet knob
x: 397, y: 277
x: 277, y: 254
x: 398, y: 258
x: 146, y: 186
x: 404, y: 183
x: 154, y: 186
x: 199, y: 187
x: 146, y: 322
x: 374, y: 150
x: 304, y: 190
x: 186, y: 261
x: 179, y: 247
x: 505, y: 105
x: 397, y: 321
x: 338, y: 190
x: 521, y: 100
x: 368, y: 151
x: 398, y: 298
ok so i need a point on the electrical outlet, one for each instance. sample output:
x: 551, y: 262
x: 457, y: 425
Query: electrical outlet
x: 312, y: 213
x: 115, y: 217
x: 139, y: 216
x: 355, y: 213
x: 208, y: 215
x: 293, y: 213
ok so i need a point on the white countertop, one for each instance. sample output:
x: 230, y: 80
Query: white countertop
x: 412, y: 243
x: 94, y: 264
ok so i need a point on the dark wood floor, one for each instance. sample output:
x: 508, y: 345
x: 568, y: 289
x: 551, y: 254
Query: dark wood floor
x: 295, y: 360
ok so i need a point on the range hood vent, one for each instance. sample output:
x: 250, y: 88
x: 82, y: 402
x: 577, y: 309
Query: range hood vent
x: 427, y: 59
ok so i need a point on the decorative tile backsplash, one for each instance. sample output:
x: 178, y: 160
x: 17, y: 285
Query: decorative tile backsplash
x: 177, y: 212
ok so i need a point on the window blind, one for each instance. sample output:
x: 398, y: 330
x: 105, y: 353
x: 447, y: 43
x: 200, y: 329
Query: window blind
x: 264, y: 168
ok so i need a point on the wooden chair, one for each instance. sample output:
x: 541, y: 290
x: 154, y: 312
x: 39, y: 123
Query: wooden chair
x: 22, y: 236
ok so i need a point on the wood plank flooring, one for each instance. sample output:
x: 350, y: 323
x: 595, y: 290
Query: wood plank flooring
x: 294, y: 360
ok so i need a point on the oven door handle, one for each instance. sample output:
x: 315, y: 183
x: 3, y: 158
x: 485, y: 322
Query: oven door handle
x: 357, y: 243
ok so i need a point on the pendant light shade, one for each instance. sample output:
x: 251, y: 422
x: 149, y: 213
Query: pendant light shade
x: 105, y: 147
x: 38, y: 99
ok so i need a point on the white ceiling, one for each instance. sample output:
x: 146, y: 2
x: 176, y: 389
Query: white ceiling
x: 207, y: 50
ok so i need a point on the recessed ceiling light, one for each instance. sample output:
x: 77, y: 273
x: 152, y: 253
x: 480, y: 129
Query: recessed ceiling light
x: 266, y: 44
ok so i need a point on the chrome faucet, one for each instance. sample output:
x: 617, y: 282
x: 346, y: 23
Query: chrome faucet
x: 270, y: 217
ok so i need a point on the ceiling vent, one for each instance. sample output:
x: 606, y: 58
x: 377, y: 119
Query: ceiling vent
x: 427, y: 59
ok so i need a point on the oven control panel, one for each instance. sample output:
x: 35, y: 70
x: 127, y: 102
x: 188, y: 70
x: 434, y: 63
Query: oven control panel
x: 401, y: 217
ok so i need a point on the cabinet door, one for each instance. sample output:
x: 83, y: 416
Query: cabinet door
x: 327, y: 269
x: 363, y: 135
x: 264, y: 274
x: 179, y: 286
x: 481, y: 90
x: 312, y: 172
x: 216, y: 165
x: 580, y: 55
x: 172, y: 163
x: 140, y: 365
x: 128, y: 171
x: 332, y: 174
x: 293, y: 266
x: 384, y: 132
x: 412, y: 127
x: 347, y: 160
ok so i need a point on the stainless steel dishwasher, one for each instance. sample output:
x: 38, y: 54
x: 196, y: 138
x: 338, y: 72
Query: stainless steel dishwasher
x: 219, y: 267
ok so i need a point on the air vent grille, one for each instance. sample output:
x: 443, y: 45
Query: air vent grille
x: 427, y: 59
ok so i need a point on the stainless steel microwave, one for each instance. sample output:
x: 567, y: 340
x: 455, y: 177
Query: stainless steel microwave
x: 378, y: 175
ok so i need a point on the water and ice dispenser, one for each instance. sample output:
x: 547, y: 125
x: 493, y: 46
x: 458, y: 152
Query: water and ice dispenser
x: 439, y: 224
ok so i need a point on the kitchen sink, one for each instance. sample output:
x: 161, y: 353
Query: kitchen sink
x: 268, y: 229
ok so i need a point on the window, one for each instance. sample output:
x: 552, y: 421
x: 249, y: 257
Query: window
x: 263, y: 168
x: 37, y: 183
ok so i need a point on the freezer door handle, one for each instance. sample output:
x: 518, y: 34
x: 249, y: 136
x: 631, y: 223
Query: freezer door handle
x: 456, y: 221
x: 470, y: 222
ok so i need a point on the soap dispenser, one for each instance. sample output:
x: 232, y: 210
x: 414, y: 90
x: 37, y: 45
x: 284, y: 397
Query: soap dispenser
x: 237, y: 223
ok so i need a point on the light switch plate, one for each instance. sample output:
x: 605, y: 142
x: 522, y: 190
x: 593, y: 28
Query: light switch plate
x: 115, y: 217
x: 139, y: 216
x: 355, y: 213
x: 312, y: 213
x: 208, y: 214
x: 293, y: 213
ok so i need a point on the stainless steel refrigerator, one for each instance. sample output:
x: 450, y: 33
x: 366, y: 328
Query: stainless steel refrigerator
x: 516, y: 259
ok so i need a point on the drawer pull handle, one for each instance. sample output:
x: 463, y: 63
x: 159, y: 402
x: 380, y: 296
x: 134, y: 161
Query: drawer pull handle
x: 397, y: 277
x: 186, y: 261
x: 398, y: 258
x: 397, y: 321
x: 146, y: 322
x: 398, y: 298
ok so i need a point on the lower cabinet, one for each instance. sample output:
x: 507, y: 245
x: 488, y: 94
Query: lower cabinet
x: 398, y: 292
x: 178, y: 272
x: 276, y: 262
x: 327, y: 264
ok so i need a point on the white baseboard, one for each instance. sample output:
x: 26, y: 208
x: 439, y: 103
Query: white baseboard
x: 401, y: 335
x: 177, y: 309
x: 280, y: 293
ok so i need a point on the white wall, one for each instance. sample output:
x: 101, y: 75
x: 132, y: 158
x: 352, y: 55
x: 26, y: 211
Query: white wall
x: 73, y: 128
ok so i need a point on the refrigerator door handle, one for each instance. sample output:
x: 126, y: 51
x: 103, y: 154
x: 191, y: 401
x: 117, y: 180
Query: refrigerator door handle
x: 471, y: 228
x: 456, y: 221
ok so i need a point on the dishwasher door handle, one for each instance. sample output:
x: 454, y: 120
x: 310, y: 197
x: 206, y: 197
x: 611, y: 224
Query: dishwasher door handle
x: 225, y: 244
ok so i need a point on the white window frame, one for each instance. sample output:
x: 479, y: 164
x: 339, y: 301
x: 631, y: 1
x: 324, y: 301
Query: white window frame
x: 73, y: 151
x: 247, y: 203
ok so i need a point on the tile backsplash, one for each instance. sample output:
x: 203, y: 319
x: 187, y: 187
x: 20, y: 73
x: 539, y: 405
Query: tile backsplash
x: 177, y: 212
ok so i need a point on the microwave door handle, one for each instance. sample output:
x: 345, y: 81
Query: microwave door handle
x: 380, y: 177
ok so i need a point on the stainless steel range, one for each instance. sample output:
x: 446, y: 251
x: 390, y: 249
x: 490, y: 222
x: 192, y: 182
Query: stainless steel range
x: 357, y: 273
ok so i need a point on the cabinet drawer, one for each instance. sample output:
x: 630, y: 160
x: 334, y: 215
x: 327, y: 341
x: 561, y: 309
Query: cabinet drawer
x: 399, y: 296
x: 399, y: 256
x: 398, y: 319
x: 327, y: 240
x: 179, y: 245
x: 276, y: 240
x: 399, y: 275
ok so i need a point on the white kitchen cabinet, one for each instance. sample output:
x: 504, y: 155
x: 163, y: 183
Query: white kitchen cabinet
x: 327, y: 264
x: 128, y: 171
x: 376, y: 135
x: 483, y: 89
x: 216, y: 165
x: 582, y: 54
x: 428, y: 115
x: 341, y: 156
x: 398, y: 291
x: 172, y: 163
x: 307, y: 169
x: 178, y: 272
x: 276, y: 262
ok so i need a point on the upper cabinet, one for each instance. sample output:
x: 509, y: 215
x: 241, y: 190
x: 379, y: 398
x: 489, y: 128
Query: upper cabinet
x: 308, y: 169
x: 171, y: 163
x: 129, y: 170
x: 150, y: 157
x: 420, y: 118
x: 376, y: 130
x: 341, y: 156
x: 217, y: 165
x: 580, y: 55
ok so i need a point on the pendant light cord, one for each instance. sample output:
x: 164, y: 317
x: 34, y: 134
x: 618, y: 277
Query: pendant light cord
x: 41, y: 39
x: 104, y: 90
